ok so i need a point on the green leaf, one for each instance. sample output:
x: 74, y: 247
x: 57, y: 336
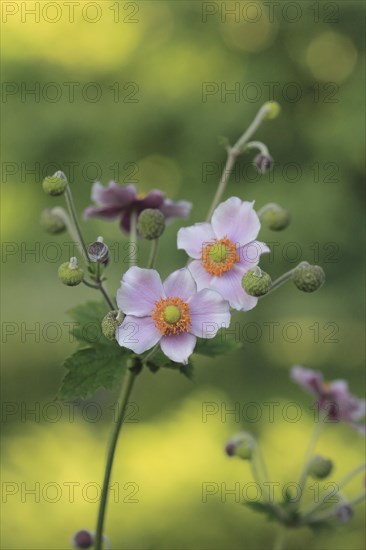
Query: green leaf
x: 87, y: 328
x: 222, y: 343
x: 159, y: 360
x: 92, y: 368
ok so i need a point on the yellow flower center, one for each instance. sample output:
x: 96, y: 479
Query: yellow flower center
x: 141, y: 196
x: 171, y: 316
x: 219, y: 256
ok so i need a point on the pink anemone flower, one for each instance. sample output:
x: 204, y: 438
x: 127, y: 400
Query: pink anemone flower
x: 334, y: 398
x: 117, y: 201
x: 224, y: 250
x: 171, y: 313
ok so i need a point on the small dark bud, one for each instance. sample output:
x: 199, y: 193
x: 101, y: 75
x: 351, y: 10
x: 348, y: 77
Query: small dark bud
x: 241, y: 445
x: 98, y: 252
x: 83, y: 539
x: 263, y: 163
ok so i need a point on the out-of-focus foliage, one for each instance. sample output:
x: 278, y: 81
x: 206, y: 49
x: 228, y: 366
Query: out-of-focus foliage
x: 174, y: 69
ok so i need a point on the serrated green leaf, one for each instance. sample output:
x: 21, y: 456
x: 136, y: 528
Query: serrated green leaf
x: 222, y: 343
x: 87, y: 328
x: 93, y: 368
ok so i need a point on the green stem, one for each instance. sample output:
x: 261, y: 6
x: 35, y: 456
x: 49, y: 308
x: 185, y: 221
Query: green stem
x: 351, y: 475
x: 153, y: 254
x: 280, y: 281
x: 279, y: 543
x: 73, y: 215
x: 232, y: 154
x: 133, y: 239
x: 308, y: 456
x: 122, y: 405
x: 310, y: 511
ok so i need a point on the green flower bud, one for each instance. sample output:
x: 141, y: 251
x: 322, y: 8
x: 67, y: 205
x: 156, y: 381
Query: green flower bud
x: 55, y: 185
x: 308, y: 278
x: 275, y: 217
x: 320, y: 467
x: 256, y: 282
x: 51, y: 222
x: 70, y: 273
x: 110, y: 323
x: 151, y: 223
x: 274, y: 109
x: 241, y: 445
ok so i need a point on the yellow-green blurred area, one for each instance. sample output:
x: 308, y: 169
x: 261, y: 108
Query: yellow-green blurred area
x: 140, y: 92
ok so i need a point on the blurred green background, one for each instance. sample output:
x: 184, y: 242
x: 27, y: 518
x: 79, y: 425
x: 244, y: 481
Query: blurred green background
x: 162, y: 131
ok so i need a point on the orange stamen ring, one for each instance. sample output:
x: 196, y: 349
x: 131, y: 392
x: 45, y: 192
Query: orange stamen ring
x: 219, y: 256
x: 171, y: 316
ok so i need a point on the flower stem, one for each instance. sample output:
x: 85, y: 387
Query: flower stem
x: 126, y: 391
x: 280, y: 540
x: 232, y: 154
x: 122, y: 405
x: 133, y: 239
x: 310, y: 511
x: 73, y: 216
x: 351, y: 475
x: 153, y: 254
x: 308, y: 455
x: 280, y: 281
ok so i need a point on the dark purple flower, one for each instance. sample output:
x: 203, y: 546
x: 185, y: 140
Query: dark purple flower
x: 120, y: 201
x: 334, y: 397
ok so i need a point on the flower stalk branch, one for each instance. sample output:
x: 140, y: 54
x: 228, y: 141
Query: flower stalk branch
x: 232, y: 155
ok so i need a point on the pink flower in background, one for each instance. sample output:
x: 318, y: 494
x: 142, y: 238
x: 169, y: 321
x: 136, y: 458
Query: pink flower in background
x: 117, y: 201
x: 333, y: 397
x: 172, y: 313
x: 224, y: 250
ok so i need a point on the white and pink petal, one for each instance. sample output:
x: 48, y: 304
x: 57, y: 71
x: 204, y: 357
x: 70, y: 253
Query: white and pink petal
x: 180, y: 283
x: 193, y: 239
x: 137, y: 333
x: 178, y: 347
x: 139, y: 291
x: 209, y: 313
x: 236, y: 220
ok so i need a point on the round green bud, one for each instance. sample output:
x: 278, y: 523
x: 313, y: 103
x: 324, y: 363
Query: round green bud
x: 320, y: 467
x: 55, y: 185
x: 273, y: 109
x: 110, y: 324
x: 308, y: 278
x: 241, y: 445
x: 151, y: 223
x: 70, y: 273
x: 256, y: 282
x: 275, y: 217
x: 51, y: 222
